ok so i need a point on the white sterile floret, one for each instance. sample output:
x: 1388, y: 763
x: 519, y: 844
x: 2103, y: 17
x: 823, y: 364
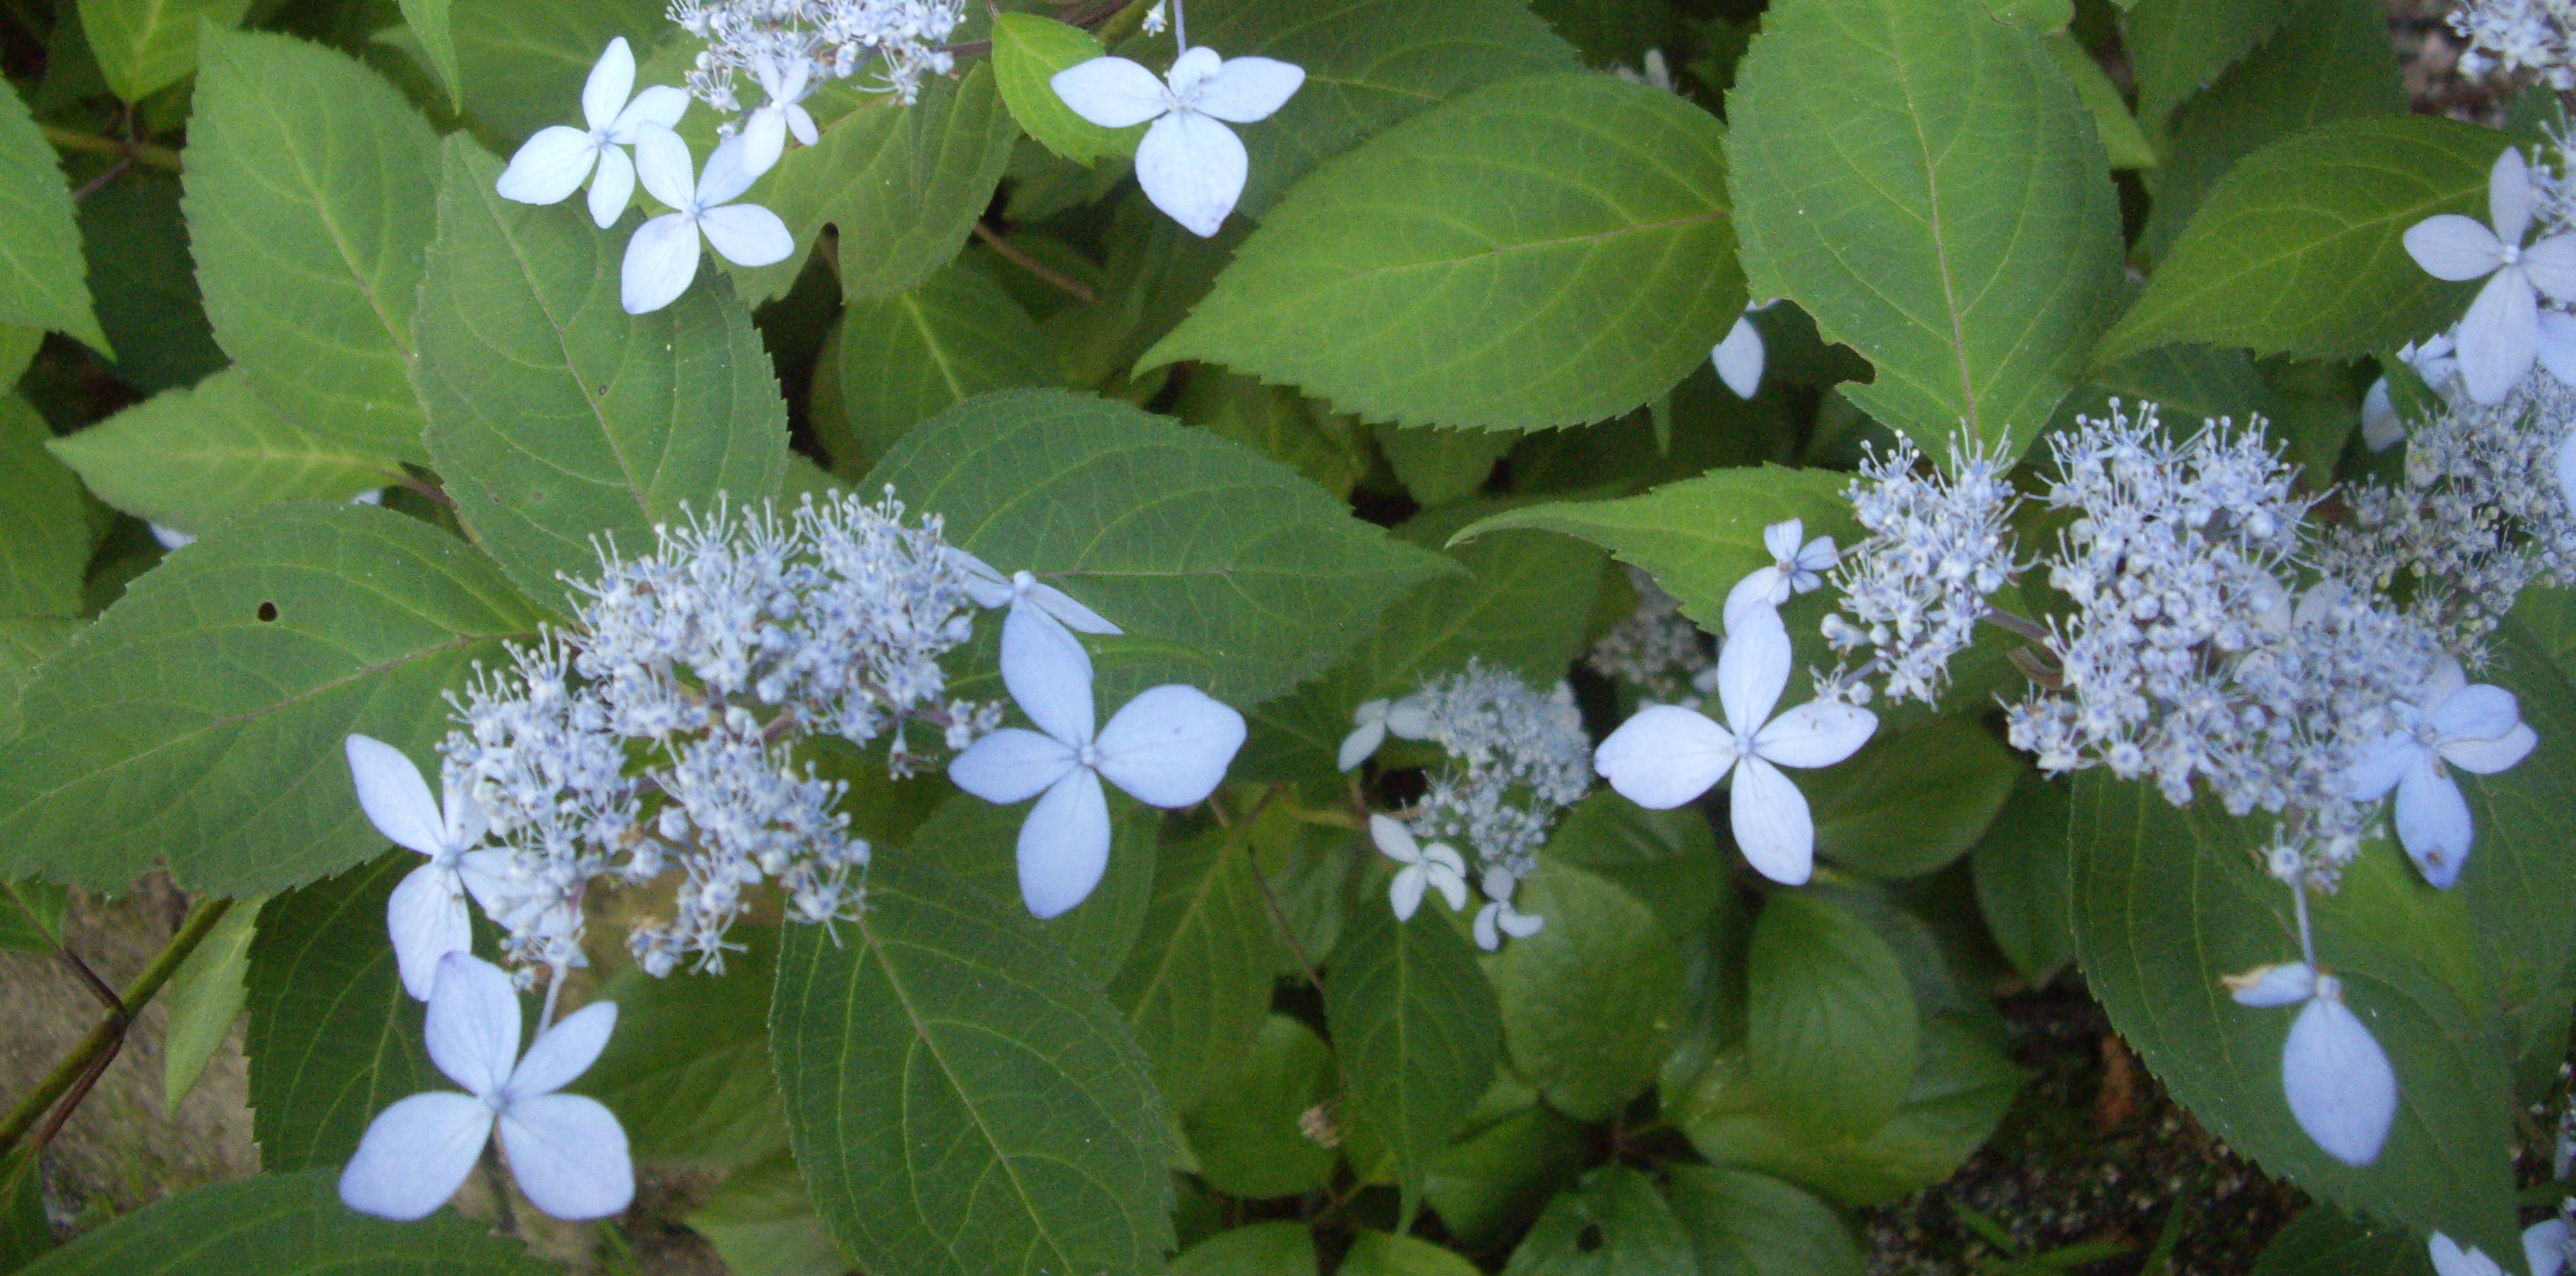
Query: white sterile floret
x: 1191, y: 165
x: 1434, y: 867
x: 1026, y: 595
x: 1375, y: 720
x: 552, y: 164
x: 1795, y: 569
x: 1938, y: 546
x: 1498, y: 918
x: 426, y: 915
x: 567, y: 1151
x: 2337, y: 1080
x: 663, y: 256
x: 2544, y: 1252
x: 1525, y: 759
x: 1739, y: 357
x: 1169, y: 747
x: 2502, y: 333
x: 1667, y: 755
x: 2433, y: 360
x: 2446, y: 723
x: 765, y: 130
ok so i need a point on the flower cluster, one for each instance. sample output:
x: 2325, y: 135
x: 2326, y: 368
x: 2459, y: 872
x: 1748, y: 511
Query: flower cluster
x: 790, y: 46
x: 2519, y: 35
x: 1939, y: 545
x: 1655, y: 649
x: 2507, y: 328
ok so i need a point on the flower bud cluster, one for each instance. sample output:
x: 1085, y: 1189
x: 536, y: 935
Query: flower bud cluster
x: 1524, y: 758
x: 1656, y: 650
x: 899, y: 41
x: 2511, y: 36
x: 1939, y: 544
x: 655, y: 733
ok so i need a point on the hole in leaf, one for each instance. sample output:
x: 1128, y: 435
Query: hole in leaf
x: 267, y: 612
x: 1588, y: 1240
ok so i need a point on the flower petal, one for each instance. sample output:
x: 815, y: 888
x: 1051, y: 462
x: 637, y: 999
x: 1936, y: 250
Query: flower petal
x: 1448, y: 875
x: 1772, y: 824
x: 2550, y: 265
x: 1170, y: 746
x: 1409, y: 718
x: 1191, y: 70
x: 427, y: 921
x: 801, y: 123
x: 1738, y: 359
x: 1763, y: 587
x: 394, y: 796
x: 569, y: 1155
x: 1361, y: 744
x: 662, y: 164
x: 415, y: 1155
x: 1781, y: 538
x: 1193, y: 169
x: 2338, y: 1082
x: 2449, y: 246
x: 1517, y: 924
x: 1064, y: 607
x: 728, y: 173
x: 2481, y: 712
x: 764, y: 138
x: 2280, y: 984
x: 2567, y: 470
x: 2450, y: 1260
x: 1248, y: 89
x: 660, y: 261
x: 564, y: 1051
x: 2433, y: 823
x: 747, y: 234
x: 2557, y: 349
x: 1049, y: 674
x: 2544, y: 1247
x: 1405, y: 892
x: 661, y: 104
x: 1752, y: 669
x: 465, y: 820
x: 2509, y: 196
x: 1817, y: 733
x: 2383, y: 429
x: 2486, y: 757
x: 612, y: 187
x: 1487, y: 937
x: 1394, y: 841
x: 1064, y: 845
x: 1011, y: 765
x: 1665, y: 756
x: 472, y: 1028
x: 548, y: 167
x: 2500, y: 336
x: 1111, y: 92
x: 611, y: 80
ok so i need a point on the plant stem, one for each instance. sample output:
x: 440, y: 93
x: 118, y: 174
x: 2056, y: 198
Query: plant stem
x: 90, y: 1055
x: 1002, y: 248
x: 141, y: 152
x: 2019, y: 625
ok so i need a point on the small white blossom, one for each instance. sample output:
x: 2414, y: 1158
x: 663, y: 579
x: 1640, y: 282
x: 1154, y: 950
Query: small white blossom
x: 2446, y: 722
x: 1667, y: 755
x: 2519, y: 35
x: 1191, y: 165
x: 663, y: 256
x: 2501, y: 335
x: 551, y: 165
x: 567, y: 1151
x: 765, y: 130
x: 2433, y: 360
x: 1655, y: 73
x: 1375, y: 720
x: 1433, y: 867
x: 1739, y: 357
x: 426, y: 915
x: 1526, y: 759
x: 1156, y: 22
x: 1795, y: 569
x: 1938, y: 546
x: 2337, y: 1080
x: 1025, y: 594
x: 2544, y: 1251
x: 1498, y: 918
x: 1169, y: 747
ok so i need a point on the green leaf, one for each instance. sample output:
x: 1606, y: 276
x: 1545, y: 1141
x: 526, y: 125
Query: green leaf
x: 25, y: 1232
x: 333, y: 1040
x: 1744, y: 1224
x: 906, y: 358
x: 1262, y: 1249
x: 1227, y: 570
x: 136, y: 240
x: 2167, y: 901
x: 2322, y: 1241
x: 556, y: 417
x: 2298, y: 248
x: 1913, y: 799
x: 43, y: 282
x: 44, y: 532
x: 1438, y: 466
x: 428, y: 20
x: 977, y: 841
x: 205, y: 997
x: 1923, y: 180
x: 1832, y: 1031
x: 1379, y: 1254
x: 31, y: 916
x: 1198, y: 982
x: 1667, y: 859
x: 1433, y: 277
x: 1027, y: 53
x: 311, y: 189
x: 18, y: 344
x: 1417, y: 1030
x: 2021, y: 879
x: 1488, y: 1185
x: 1592, y: 1001
x: 904, y: 185
x: 1611, y: 31
x: 1699, y: 537
x: 2176, y: 47
x: 284, y: 1225
x: 522, y: 66
x: 199, y: 722
x: 1524, y: 604
x: 687, y: 1072
x: 2122, y: 141
x: 191, y: 457
x: 1614, y: 1224
x: 944, y: 1020
x: 761, y: 1223
x: 145, y: 46
x: 1370, y: 64
x: 2330, y: 61
x: 1279, y: 423
x: 1249, y: 1136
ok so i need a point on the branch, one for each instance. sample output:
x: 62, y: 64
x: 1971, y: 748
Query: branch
x: 89, y: 1057
x: 92, y: 143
